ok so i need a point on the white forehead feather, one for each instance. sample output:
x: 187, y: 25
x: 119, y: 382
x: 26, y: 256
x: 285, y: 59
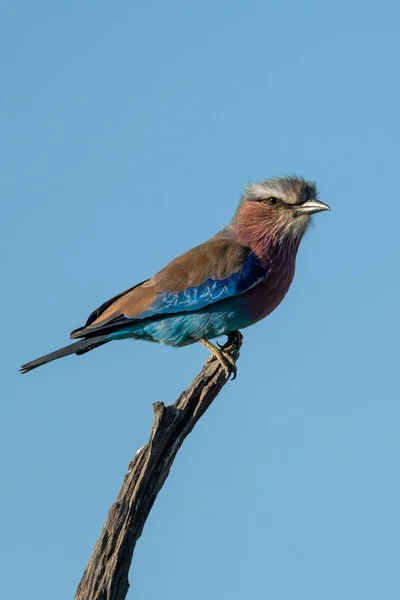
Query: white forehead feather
x: 290, y: 189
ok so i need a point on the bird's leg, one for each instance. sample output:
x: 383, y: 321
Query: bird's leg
x: 225, y: 360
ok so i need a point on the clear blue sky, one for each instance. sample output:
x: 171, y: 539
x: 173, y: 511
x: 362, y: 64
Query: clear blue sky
x: 128, y: 131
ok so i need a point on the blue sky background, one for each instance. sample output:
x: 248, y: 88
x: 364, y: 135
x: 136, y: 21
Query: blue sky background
x: 128, y: 131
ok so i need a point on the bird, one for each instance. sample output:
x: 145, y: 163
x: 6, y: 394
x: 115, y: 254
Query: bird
x: 231, y: 281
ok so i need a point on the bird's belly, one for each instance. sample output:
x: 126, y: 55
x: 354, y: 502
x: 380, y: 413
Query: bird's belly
x: 184, y: 329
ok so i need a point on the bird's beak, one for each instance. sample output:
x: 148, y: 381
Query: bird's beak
x: 312, y: 206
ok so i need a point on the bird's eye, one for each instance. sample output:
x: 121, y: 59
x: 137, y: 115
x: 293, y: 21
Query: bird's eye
x: 271, y: 200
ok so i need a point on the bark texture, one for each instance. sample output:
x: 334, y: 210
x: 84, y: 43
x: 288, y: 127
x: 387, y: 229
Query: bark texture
x: 106, y: 575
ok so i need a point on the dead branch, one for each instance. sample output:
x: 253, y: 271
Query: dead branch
x: 106, y: 575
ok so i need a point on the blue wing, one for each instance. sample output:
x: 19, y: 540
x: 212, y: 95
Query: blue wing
x: 156, y: 303
x: 252, y: 272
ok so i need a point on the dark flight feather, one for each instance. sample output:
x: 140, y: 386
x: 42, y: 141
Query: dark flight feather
x: 77, y: 348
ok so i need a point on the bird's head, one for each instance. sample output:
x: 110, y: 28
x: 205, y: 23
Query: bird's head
x: 276, y: 210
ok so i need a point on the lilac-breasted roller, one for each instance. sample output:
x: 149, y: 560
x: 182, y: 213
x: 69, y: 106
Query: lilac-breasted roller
x: 233, y: 280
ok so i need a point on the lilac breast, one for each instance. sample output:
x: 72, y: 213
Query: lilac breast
x: 261, y: 300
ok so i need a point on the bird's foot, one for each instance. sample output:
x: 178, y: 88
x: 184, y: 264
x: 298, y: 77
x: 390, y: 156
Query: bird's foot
x: 229, y: 365
x: 225, y: 360
x: 231, y: 338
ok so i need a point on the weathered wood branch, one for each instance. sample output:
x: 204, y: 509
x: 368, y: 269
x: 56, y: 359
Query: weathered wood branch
x: 106, y: 576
